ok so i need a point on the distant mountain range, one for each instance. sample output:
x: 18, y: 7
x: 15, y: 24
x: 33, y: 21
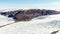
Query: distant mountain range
x: 26, y: 15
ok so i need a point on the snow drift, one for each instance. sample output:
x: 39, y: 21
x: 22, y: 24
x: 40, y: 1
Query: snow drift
x: 39, y: 25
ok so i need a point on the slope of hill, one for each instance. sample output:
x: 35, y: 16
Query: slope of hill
x: 26, y: 15
x: 46, y: 25
x: 32, y: 21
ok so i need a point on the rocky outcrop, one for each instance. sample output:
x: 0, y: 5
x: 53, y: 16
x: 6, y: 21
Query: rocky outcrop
x: 54, y: 32
x: 26, y: 15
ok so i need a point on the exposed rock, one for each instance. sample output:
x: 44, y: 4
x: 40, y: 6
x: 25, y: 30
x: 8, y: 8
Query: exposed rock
x: 26, y: 15
x: 54, y: 32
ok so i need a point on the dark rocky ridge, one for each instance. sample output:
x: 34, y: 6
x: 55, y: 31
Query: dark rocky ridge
x: 26, y: 15
x: 54, y: 32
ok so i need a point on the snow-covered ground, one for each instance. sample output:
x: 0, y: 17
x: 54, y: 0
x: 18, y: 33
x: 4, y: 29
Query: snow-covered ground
x: 39, y: 25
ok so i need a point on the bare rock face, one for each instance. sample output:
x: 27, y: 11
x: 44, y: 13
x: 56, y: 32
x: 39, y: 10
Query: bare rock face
x: 26, y: 15
x: 55, y: 32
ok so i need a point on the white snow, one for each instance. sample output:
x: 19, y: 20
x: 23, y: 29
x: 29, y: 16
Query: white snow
x: 39, y: 25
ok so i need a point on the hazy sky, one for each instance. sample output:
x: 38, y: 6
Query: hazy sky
x: 48, y: 4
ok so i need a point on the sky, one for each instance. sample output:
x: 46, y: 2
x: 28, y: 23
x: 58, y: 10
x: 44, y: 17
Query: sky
x: 27, y: 4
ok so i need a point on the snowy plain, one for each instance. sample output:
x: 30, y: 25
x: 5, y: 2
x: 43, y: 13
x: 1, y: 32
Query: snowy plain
x: 38, y: 25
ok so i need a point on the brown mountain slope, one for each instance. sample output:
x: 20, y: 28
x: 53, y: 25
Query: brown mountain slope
x: 26, y: 15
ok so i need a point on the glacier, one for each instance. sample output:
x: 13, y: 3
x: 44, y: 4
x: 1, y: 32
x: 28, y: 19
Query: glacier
x: 39, y: 25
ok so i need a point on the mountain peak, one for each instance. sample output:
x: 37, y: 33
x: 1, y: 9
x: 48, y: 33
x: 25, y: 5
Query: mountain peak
x: 27, y: 14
